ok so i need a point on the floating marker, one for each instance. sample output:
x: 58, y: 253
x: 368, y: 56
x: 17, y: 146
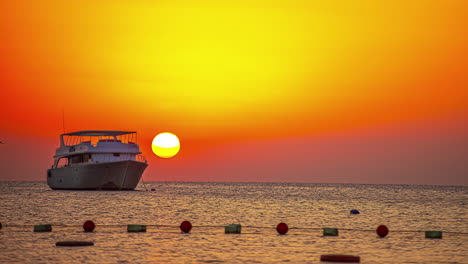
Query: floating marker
x: 354, y: 211
x: 186, y: 226
x: 89, y: 226
x: 232, y: 229
x: 382, y: 231
x: 330, y: 231
x: 340, y: 258
x: 433, y: 234
x: 74, y: 243
x: 153, y: 190
x: 282, y: 228
x: 43, y: 228
x: 136, y: 228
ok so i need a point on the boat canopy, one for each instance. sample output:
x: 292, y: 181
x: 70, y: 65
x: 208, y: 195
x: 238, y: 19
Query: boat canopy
x: 99, y: 133
x: 95, y: 136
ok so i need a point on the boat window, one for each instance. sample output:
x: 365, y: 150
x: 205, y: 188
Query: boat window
x: 63, y: 162
x: 80, y: 158
x: 116, y: 154
x: 86, y: 157
x: 76, y: 159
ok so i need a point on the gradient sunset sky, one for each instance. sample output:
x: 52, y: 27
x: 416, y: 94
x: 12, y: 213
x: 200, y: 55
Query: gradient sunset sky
x: 284, y: 91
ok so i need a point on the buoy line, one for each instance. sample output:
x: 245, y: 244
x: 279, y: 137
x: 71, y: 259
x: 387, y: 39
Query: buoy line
x: 92, y: 226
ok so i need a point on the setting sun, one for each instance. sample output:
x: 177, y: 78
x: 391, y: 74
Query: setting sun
x: 165, y: 145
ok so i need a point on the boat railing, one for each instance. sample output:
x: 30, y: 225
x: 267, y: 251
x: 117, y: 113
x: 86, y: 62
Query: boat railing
x: 106, y: 158
x: 109, y: 158
x: 141, y: 158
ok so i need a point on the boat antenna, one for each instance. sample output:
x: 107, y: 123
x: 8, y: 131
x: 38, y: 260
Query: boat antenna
x: 63, y: 119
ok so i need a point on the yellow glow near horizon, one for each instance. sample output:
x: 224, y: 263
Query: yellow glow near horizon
x: 165, y: 145
x: 212, y: 68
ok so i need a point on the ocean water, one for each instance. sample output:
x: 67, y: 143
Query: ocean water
x: 407, y: 210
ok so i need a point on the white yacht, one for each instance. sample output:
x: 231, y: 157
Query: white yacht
x: 96, y: 159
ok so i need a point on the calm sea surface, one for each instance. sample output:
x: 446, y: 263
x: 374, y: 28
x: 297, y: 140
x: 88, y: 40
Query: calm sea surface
x: 259, y: 207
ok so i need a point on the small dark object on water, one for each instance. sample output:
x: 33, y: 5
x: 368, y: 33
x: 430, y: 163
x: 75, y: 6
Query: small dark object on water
x: 153, y: 190
x: 354, y: 211
x: 73, y: 243
x: 340, y: 258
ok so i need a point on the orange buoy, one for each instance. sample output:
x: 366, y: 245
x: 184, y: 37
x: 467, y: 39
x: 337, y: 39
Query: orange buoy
x: 382, y: 231
x: 186, y: 226
x: 282, y: 228
x: 89, y: 226
x: 340, y: 258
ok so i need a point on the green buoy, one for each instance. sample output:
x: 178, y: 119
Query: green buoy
x: 433, y: 234
x: 43, y: 228
x: 327, y: 231
x: 136, y: 228
x: 232, y: 229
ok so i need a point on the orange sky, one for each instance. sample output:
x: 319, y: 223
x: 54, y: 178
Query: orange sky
x: 233, y: 74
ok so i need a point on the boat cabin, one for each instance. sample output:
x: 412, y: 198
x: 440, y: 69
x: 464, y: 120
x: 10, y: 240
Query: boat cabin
x: 85, y: 147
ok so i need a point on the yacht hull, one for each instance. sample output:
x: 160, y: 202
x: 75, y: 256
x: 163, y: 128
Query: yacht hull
x: 120, y: 175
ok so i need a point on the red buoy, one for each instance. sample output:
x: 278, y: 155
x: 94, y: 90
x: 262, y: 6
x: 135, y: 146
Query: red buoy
x: 382, y: 231
x: 340, y: 258
x: 186, y: 226
x: 282, y: 228
x: 89, y: 226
